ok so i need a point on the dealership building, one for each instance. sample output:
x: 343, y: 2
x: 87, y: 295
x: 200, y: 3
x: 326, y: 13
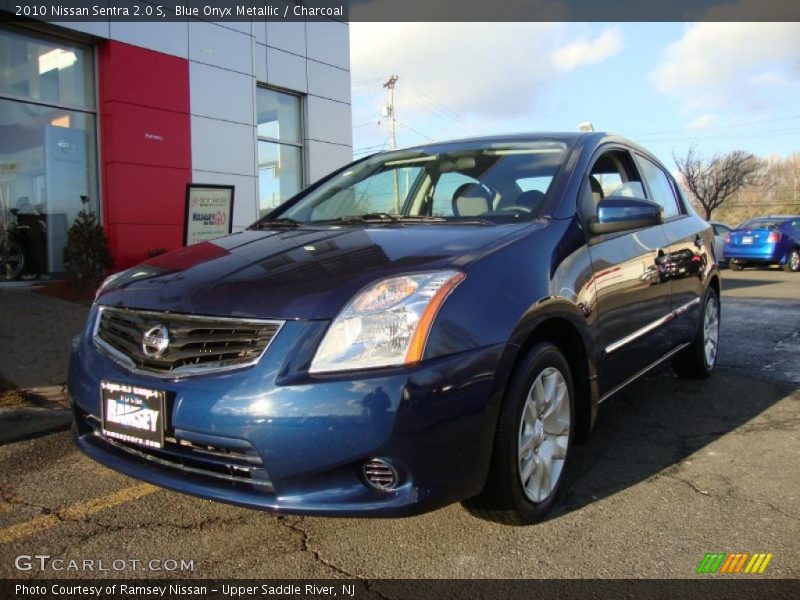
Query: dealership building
x: 124, y: 116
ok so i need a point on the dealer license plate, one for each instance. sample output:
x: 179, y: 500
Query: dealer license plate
x: 133, y: 414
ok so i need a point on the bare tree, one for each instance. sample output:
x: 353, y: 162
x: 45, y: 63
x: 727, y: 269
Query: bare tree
x: 712, y: 181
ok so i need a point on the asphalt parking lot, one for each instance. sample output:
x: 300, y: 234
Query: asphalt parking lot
x: 673, y: 470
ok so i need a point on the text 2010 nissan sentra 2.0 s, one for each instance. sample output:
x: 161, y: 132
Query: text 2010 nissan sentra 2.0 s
x: 422, y: 327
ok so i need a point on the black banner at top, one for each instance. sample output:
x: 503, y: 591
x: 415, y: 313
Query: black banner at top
x: 400, y: 10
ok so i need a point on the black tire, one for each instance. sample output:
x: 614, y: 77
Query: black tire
x: 792, y: 261
x: 734, y: 266
x: 503, y: 498
x: 12, y: 261
x: 692, y: 362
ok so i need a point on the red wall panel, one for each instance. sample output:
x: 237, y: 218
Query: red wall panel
x: 141, y: 192
x: 133, y: 241
x: 138, y: 76
x: 145, y: 137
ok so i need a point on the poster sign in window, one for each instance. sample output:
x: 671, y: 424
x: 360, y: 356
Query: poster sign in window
x: 209, y: 212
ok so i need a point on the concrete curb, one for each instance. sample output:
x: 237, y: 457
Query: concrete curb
x: 17, y: 424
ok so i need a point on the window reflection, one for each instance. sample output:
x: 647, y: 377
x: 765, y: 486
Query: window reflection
x: 47, y: 147
x: 46, y: 70
x: 280, y: 163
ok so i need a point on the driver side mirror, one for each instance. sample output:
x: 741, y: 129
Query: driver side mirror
x: 619, y: 213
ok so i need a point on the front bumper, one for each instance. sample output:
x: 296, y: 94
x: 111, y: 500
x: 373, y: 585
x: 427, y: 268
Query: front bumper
x: 272, y: 438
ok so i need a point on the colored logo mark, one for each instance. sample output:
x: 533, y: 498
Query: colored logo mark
x: 738, y: 562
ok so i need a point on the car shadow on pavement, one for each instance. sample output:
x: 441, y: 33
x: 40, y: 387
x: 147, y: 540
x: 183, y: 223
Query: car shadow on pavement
x: 655, y: 425
x: 736, y: 284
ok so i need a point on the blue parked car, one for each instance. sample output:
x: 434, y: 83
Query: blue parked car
x: 765, y: 241
x: 422, y: 327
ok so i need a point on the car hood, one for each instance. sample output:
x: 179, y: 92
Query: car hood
x: 300, y: 273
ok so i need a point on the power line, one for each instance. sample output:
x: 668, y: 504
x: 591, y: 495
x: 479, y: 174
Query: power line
x: 439, y: 105
x: 439, y: 114
x: 407, y: 126
x: 372, y: 81
x: 439, y: 111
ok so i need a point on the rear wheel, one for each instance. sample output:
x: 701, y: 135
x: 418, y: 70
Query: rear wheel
x: 792, y: 261
x: 533, y: 441
x: 698, y: 359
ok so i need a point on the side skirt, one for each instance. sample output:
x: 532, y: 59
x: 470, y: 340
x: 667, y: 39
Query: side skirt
x: 649, y: 367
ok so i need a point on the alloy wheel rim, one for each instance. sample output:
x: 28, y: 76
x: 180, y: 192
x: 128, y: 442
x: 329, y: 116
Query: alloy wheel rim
x: 795, y: 261
x: 711, y: 331
x: 543, y: 435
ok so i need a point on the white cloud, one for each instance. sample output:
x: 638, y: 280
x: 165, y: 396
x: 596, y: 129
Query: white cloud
x: 483, y: 69
x: 717, y: 64
x: 701, y: 122
x: 586, y: 51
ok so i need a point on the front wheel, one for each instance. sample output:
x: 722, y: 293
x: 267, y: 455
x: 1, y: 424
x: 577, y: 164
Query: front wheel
x: 533, y: 441
x: 792, y: 261
x: 698, y: 359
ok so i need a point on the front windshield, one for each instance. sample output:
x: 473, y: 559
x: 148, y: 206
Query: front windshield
x: 457, y: 182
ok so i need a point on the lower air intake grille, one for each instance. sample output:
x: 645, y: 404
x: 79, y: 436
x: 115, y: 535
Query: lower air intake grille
x: 171, y: 345
x: 234, y: 464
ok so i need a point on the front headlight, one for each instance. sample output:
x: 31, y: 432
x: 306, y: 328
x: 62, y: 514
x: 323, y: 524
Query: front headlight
x: 386, y: 323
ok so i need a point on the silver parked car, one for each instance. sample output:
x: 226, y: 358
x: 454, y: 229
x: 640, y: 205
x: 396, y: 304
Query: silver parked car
x: 720, y: 231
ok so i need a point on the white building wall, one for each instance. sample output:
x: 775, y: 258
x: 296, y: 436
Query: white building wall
x: 226, y: 62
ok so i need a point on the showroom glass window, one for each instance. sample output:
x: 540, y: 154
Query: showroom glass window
x: 48, y: 150
x: 280, y: 147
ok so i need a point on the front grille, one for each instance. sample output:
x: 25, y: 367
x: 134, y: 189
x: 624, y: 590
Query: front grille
x: 197, y: 344
x: 219, y: 462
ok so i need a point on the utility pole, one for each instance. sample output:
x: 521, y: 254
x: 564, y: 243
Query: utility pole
x: 389, y: 85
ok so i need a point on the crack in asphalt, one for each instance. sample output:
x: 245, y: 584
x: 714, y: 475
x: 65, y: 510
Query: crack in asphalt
x: 305, y: 545
x: 729, y: 495
x: 42, y: 509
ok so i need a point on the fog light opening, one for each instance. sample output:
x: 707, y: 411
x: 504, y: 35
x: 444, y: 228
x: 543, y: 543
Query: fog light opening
x: 380, y: 474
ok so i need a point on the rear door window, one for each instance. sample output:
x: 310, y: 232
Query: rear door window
x: 660, y: 187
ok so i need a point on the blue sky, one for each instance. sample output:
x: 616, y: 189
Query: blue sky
x: 721, y: 86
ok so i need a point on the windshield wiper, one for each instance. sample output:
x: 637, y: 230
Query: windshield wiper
x: 276, y: 222
x: 372, y: 217
x: 382, y: 217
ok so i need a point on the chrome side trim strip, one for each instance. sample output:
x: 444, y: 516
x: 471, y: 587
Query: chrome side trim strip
x: 614, y: 346
x: 649, y: 367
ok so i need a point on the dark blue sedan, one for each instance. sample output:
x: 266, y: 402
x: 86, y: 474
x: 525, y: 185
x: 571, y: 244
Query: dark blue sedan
x: 423, y: 326
x: 765, y: 241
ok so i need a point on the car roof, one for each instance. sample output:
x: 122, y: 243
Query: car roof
x: 589, y: 138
